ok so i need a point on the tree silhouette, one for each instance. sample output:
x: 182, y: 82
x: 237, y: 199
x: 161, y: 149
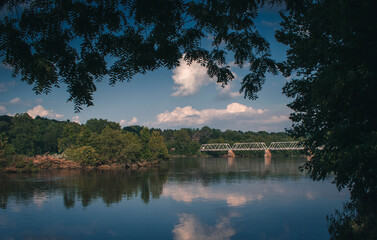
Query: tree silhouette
x: 77, y: 43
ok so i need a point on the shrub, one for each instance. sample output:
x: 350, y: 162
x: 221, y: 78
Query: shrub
x: 84, y: 155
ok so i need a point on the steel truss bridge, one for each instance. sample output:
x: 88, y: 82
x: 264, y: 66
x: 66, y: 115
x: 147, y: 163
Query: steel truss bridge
x: 251, y: 146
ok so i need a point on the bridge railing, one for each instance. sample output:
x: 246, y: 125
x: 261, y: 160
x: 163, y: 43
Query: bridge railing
x: 252, y: 146
x: 292, y: 145
x: 215, y: 147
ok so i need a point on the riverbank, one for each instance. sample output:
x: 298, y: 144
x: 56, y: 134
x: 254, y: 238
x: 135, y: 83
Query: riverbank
x: 49, y: 162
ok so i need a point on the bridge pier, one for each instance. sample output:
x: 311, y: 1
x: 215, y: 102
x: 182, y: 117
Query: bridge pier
x: 231, y: 153
x: 267, y: 161
x: 267, y: 153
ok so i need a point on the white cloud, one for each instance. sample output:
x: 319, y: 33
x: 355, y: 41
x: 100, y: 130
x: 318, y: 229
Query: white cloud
x: 16, y: 100
x: 188, y: 79
x: 235, y: 116
x: 3, y: 109
x: 133, y: 121
x: 190, y: 116
x: 277, y: 119
x: 76, y: 119
x: 226, y: 92
x: 39, y: 110
x: 123, y: 123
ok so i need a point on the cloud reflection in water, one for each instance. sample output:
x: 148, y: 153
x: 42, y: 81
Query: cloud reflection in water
x: 189, y: 227
x: 189, y: 193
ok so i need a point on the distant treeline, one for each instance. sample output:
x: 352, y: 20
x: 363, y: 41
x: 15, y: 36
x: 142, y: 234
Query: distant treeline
x: 100, y: 141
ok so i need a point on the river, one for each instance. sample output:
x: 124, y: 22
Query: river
x: 186, y: 198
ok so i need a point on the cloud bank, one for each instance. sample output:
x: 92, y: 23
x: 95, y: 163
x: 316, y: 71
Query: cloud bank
x: 234, y: 116
x: 39, y: 110
x: 190, y: 116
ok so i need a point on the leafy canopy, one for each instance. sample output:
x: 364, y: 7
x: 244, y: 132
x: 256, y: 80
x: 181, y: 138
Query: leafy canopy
x: 331, y: 58
x: 76, y: 44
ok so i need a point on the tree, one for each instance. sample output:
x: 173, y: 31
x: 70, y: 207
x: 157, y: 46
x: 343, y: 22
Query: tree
x: 52, y: 43
x: 85, y: 155
x: 23, y: 134
x: 157, y: 147
x: 132, y: 147
x: 70, y: 136
x: 331, y: 58
x: 109, y: 144
x: 49, y: 131
x: 133, y: 129
x: 3, y: 149
x: 97, y: 125
x: 114, y: 146
x: 145, y: 135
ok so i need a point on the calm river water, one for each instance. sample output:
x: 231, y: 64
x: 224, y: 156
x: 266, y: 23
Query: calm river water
x: 190, y: 198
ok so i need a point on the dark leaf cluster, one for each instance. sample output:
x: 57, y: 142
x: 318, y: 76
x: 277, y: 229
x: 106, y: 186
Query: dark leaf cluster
x: 76, y: 44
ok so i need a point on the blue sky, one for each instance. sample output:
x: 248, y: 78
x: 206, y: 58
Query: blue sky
x: 183, y: 97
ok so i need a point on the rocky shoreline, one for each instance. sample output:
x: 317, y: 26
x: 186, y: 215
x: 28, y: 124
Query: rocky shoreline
x: 48, y: 162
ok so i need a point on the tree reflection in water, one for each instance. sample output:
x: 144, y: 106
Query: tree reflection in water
x: 85, y: 186
x: 358, y: 219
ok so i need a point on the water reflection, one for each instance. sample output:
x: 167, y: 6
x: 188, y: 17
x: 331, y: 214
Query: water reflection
x: 190, y: 227
x: 112, y: 186
x: 188, y: 193
x: 82, y: 186
x: 198, y: 198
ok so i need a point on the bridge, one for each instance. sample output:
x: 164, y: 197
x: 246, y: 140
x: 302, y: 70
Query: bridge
x: 251, y: 146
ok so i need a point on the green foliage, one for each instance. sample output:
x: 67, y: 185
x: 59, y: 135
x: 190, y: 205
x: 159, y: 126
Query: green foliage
x: 5, y: 123
x: 157, y: 147
x: 51, y: 43
x: 331, y: 58
x: 116, y: 146
x: 187, y: 141
x: 23, y: 134
x: 132, y: 148
x: 133, y: 129
x: 3, y: 147
x: 69, y: 136
x: 145, y: 135
x: 85, y: 155
x: 112, y: 145
x: 97, y: 125
x: 331, y: 53
x: 49, y: 131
